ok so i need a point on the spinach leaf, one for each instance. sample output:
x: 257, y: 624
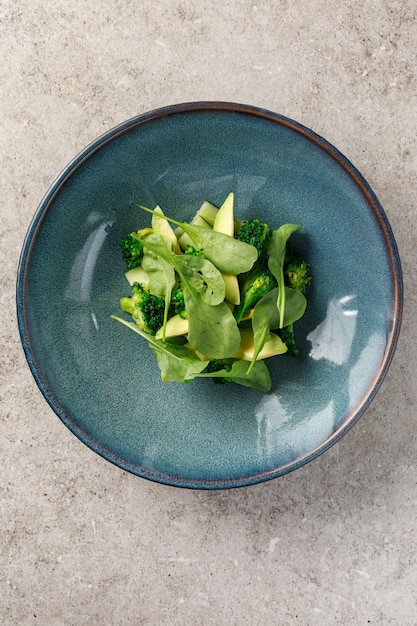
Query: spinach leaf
x: 212, y: 328
x: 258, y: 378
x: 276, y: 257
x: 161, y: 275
x: 203, y: 276
x: 229, y: 255
x: 266, y: 308
x: 267, y: 317
x: 295, y: 305
x: 177, y: 363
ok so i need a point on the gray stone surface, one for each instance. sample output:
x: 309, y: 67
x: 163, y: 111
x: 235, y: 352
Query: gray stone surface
x: 83, y: 542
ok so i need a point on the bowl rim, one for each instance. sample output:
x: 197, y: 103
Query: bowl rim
x: 208, y: 106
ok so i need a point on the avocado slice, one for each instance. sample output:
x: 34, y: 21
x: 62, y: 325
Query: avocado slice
x: 175, y: 327
x: 208, y: 212
x: 232, y: 292
x: 137, y: 275
x: 273, y: 346
x: 224, y: 222
x: 162, y: 227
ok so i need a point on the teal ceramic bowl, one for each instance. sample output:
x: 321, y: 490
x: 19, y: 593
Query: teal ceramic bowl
x: 102, y: 381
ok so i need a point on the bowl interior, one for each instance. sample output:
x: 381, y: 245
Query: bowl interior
x: 102, y: 380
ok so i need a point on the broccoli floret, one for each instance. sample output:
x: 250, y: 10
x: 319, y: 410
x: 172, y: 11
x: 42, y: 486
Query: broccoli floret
x: 216, y: 366
x: 146, y: 309
x: 132, y: 248
x: 177, y: 300
x: 296, y: 270
x: 255, y: 233
x: 287, y: 336
x: 191, y: 251
x: 256, y: 284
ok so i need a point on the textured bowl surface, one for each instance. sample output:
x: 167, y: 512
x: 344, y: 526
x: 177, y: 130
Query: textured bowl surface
x: 102, y: 380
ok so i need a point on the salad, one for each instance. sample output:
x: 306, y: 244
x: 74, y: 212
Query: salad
x: 214, y: 297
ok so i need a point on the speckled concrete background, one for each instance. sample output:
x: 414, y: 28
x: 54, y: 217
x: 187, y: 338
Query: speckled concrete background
x: 83, y: 542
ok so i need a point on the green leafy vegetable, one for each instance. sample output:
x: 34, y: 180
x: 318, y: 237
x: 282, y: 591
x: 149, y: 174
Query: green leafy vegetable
x: 254, y: 285
x: 267, y: 317
x: 214, y: 297
x: 276, y: 258
x: 161, y: 276
x: 213, y: 330
x: 228, y: 254
x: 258, y: 378
x: 202, y: 276
x: 177, y: 363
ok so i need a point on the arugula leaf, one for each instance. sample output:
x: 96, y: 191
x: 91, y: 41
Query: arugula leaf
x: 229, y: 255
x: 276, y: 257
x: 258, y: 378
x: 177, y: 363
